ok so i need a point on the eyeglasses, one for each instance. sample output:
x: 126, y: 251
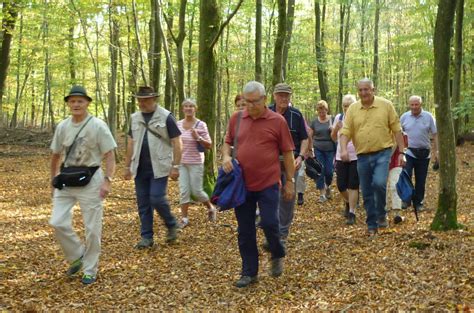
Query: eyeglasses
x: 254, y: 102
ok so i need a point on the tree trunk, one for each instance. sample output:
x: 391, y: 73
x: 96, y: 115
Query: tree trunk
x: 179, y: 42
x: 289, y: 27
x: 258, y: 41
x: 279, y: 44
x: 155, y: 46
x: 456, y: 98
x: 13, y: 121
x: 320, y: 53
x: 375, y: 66
x: 137, y: 35
x: 94, y: 61
x: 72, y: 60
x: 363, y: 21
x: 10, y: 13
x: 445, y: 217
x: 190, y: 51
x: 113, y: 50
x: 344, y: 40
x: 210, y: 29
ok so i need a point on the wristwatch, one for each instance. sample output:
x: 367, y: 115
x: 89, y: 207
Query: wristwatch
x: 110, y: 179
x: 200, y: 138
x: 292, y: 180
x: 175, y: 166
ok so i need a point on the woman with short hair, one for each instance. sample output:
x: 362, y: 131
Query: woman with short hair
x: 196, y: 139
x: 347, y: 176
x: 324, y: 148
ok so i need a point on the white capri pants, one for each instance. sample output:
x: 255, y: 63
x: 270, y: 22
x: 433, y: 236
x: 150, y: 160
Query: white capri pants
x: 91, y: 208
x: 396, y: 202
x: 190, y: 183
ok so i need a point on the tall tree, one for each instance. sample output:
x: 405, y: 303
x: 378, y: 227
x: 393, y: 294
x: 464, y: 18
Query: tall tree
x: 290, y: 17
x: 456, y: 97
x: 113, y: 51
x: 375, y: 64
x: 446, y: 217
x: 279, y: 44
x: 345, y: 14
x: 155, y: 45
x: 258, y: 41
x: 210, y: 29
x: 321, y: 63
x: 179, y: 42
x: 139, y: 44
x: 10, y: 13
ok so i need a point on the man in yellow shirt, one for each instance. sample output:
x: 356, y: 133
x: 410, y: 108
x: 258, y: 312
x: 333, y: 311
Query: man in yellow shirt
x: 370, y: 123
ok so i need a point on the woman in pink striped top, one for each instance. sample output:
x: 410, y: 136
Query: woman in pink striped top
x: 193, y: 133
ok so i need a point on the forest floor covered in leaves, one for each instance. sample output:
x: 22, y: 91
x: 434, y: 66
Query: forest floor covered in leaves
x: 329, y: 266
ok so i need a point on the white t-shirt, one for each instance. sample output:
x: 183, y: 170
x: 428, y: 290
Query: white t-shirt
x: 94, y: 140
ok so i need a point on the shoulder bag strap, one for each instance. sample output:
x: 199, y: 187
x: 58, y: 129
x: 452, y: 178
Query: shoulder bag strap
x: 234, y: 151
x: 82, y: 127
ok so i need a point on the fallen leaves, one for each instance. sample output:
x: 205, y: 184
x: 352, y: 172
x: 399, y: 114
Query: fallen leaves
x: 329, y: 265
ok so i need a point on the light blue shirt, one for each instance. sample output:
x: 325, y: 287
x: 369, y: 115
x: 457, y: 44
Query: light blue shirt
x: 419, y: 129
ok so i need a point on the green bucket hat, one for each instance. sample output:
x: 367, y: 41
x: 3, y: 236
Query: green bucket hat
x: 77, y: 91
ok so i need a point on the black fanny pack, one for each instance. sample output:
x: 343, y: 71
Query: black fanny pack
x: 420, y: 153
x: 74, y: 176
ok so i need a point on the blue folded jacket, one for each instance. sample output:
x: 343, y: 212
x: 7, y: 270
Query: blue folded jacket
x: 229, y: 191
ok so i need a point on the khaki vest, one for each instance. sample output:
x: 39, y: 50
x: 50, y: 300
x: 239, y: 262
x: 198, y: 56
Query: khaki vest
x: 161, y: 151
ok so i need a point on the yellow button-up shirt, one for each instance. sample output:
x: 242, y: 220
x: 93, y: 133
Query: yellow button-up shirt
x: 371, y: 129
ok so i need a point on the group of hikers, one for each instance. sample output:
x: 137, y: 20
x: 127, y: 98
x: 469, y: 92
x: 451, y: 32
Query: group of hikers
x: 368, y: 144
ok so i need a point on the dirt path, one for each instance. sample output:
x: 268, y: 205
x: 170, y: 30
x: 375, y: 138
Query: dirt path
x: 329, y: 266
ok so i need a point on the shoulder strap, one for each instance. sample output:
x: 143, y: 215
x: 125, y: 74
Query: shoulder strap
x: 234, y: 151
x: 77, y: 134
x: 197, y: 123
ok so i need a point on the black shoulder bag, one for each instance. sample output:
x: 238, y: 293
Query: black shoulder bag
x: 74, y: 176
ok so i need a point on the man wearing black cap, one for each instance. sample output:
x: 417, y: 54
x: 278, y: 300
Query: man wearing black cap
x: 153, y: 154
x: 85, y: 141
x: 296, y: 124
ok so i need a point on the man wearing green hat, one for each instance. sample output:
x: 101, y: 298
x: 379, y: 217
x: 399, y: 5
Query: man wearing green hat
x: 79, y: 145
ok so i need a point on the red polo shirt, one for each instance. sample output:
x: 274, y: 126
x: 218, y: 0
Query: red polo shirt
x: 259, y: 145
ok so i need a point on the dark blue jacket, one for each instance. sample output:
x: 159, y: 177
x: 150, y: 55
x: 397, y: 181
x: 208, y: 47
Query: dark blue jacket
x: 296, y: 124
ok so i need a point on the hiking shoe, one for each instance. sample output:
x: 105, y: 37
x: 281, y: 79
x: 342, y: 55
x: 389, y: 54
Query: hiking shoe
x: 244, y: 281
x: 300, y: 200
x: 88, y: 279
x: 74, y: 267
x: 212, y: 214
x: 351, y: 219
x: 382, y: 222
x: 328, y: 193
x: 421, y: 208
x: 276, y: 268
x: 266, y: 245
x: 144, y: 243
x: 172, y: 234
x: 398, y: 219
x: 404, y: 205
x: 322, y: 198
x: 372, y: 233
x: 346, y: 210
x: 184, y: 222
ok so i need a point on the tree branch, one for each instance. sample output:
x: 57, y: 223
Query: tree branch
x: 223, y: 25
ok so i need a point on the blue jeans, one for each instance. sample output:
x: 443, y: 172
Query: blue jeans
x: 421, y: 171
x: 327, y: 160
x: 267, y: 200
x: 151, y: 194
x: 373, y: 173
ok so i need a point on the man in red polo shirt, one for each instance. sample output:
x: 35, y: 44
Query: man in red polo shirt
x: 262, y: 136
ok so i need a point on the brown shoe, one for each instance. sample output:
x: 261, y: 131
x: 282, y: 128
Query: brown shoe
x: 276, y: 268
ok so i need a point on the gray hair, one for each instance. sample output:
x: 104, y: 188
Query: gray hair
x: 366, y: 81
x: 349, y: 99
x: 415, y: 97
x: 254, y: 86
x: 189, y: 101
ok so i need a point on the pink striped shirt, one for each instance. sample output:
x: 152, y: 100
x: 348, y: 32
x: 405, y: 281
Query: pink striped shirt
x: 191, y: 155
